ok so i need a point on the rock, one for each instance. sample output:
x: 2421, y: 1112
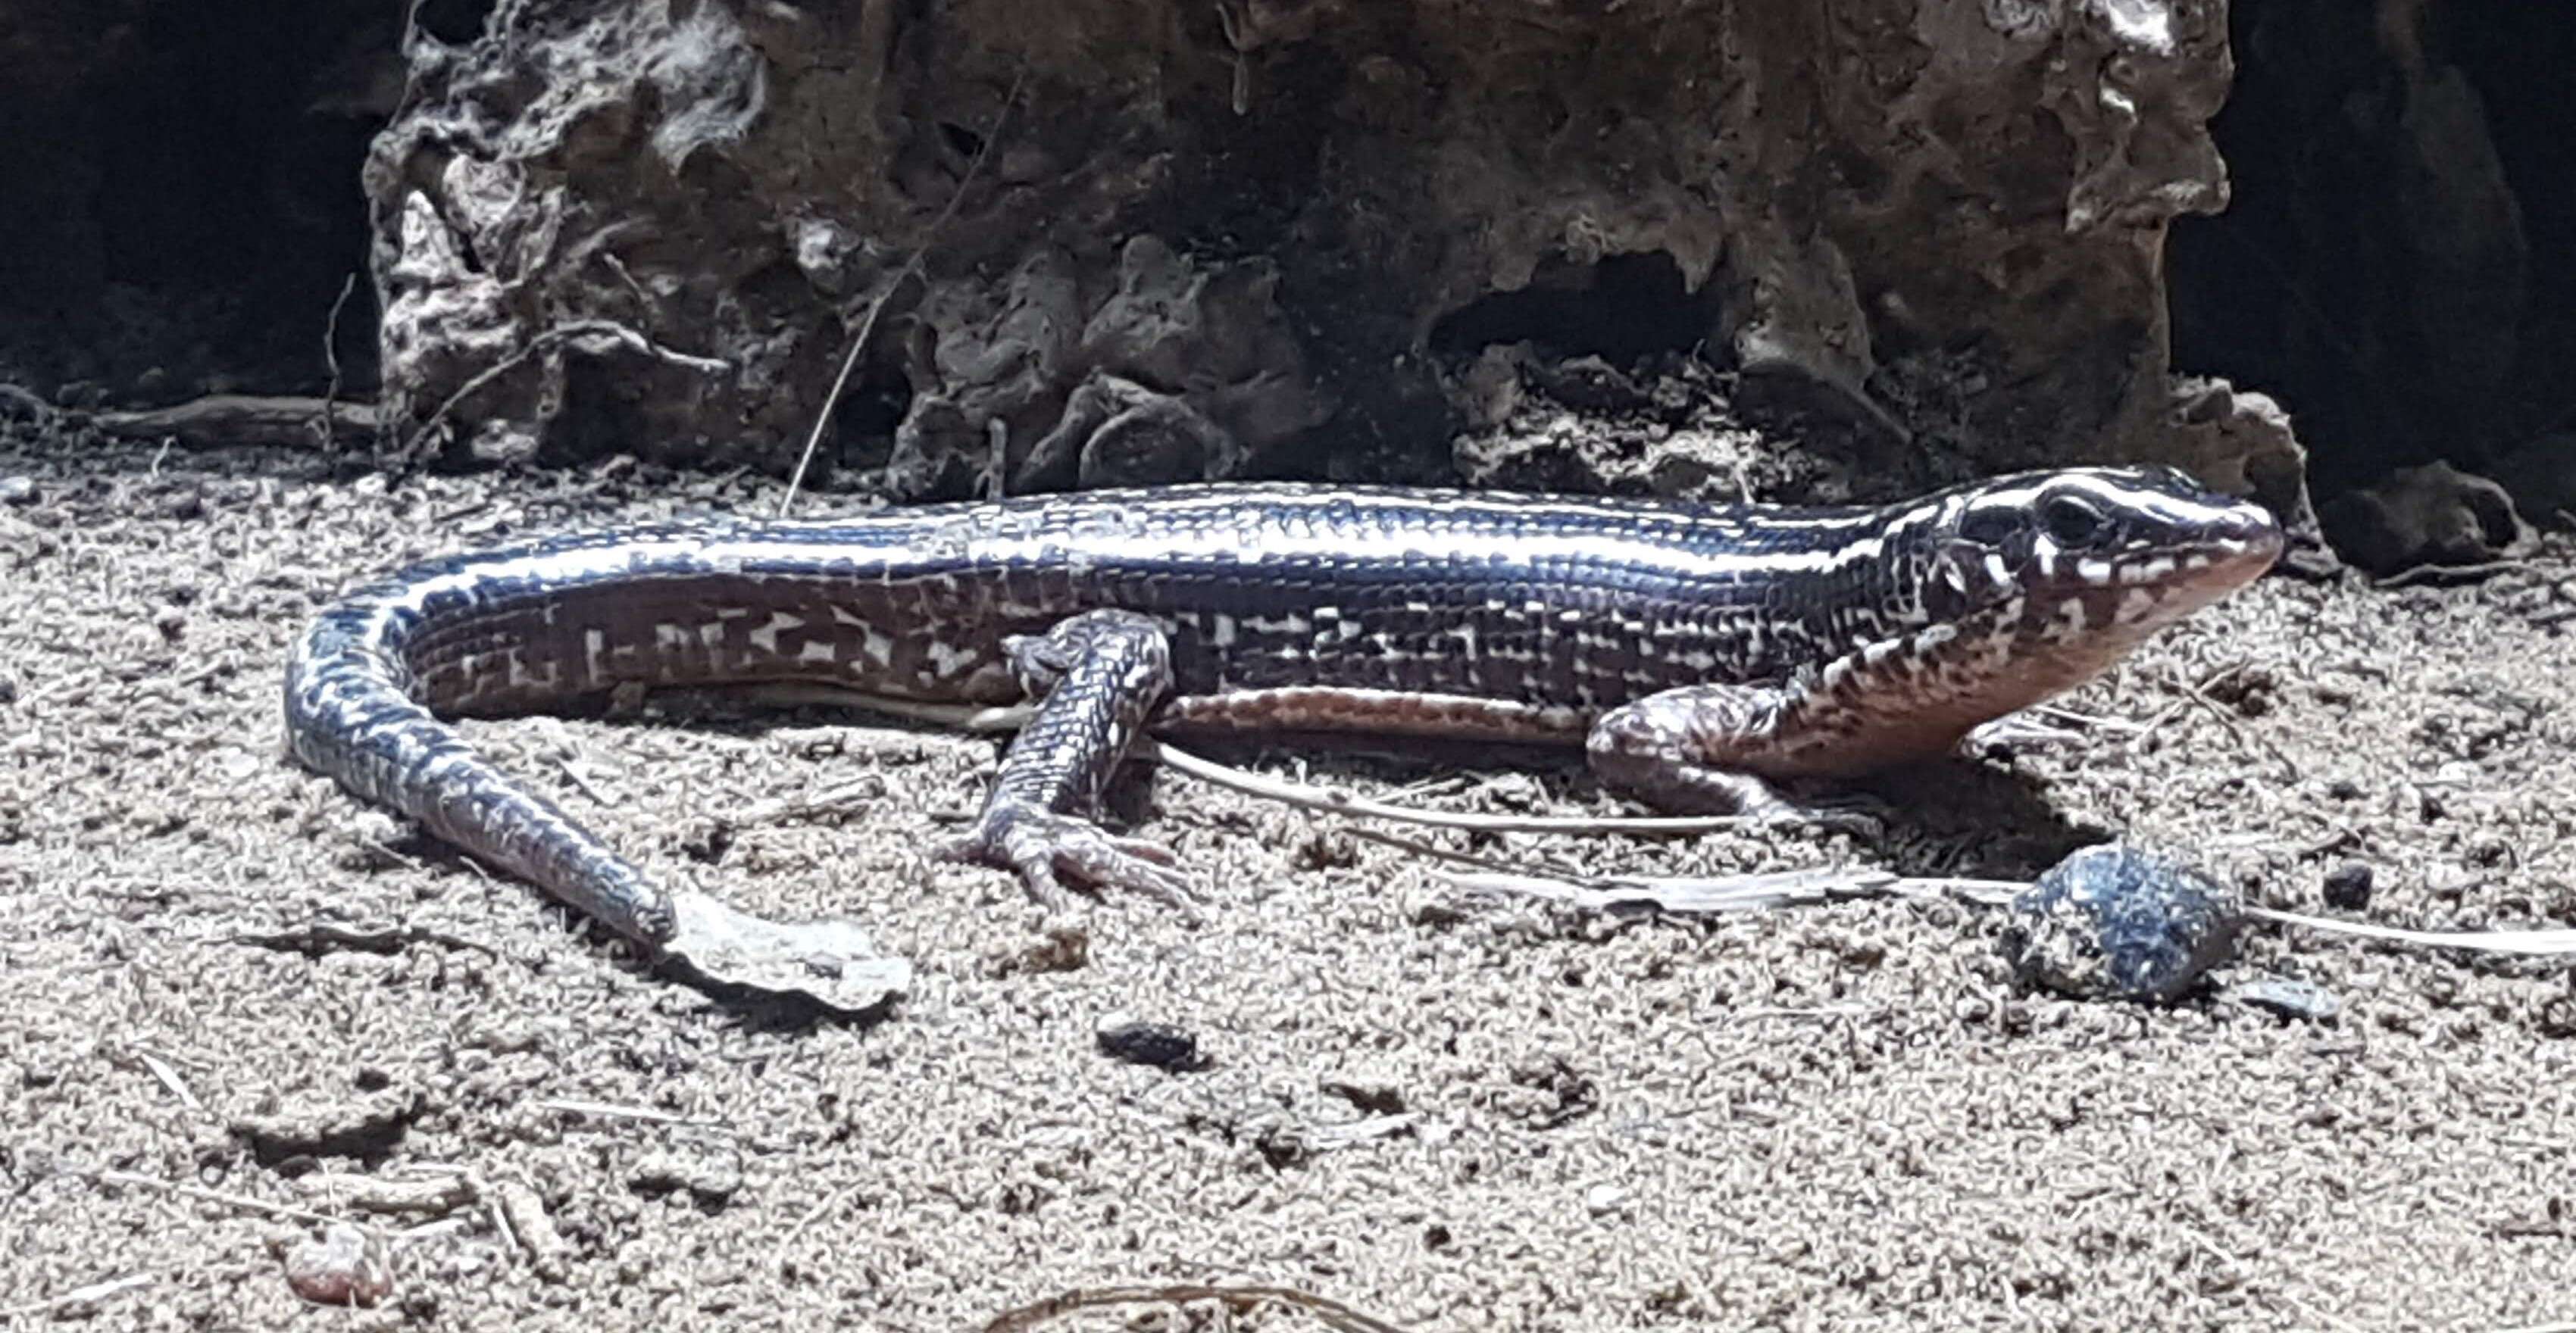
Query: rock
x: 1116, y: 432
x: 1158, y: 1044
x: 2429, y: 515
x: 1284, y: 227
x: 2114, y: 922
x: 17, y: 490
x: 710, y: 1180
x: 2289, y: 998
x: 343, y: 1266
x: 2239, y: 442
x: 2347, y: 886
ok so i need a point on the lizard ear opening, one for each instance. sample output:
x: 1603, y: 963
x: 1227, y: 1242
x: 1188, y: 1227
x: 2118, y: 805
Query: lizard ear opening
x: 1991, y: 527
x: 1980, y: 572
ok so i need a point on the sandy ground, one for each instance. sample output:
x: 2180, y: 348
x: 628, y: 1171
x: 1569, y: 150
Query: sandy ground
x: 233, y: 997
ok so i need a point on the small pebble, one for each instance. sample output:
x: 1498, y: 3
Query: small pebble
x: 2348, y: 886
x: 709, y: 1180
x: 1158, y: 1044
x: 2289, y: 998
x: 342, y: 1266
x: 17, y: 490
x: 2114, y: 922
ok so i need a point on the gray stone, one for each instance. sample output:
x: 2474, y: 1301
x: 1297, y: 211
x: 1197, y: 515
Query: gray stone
x: 2114, y: 922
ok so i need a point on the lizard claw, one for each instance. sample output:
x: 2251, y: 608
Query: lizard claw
x: 1860, y: 823
x: 1040, y: 845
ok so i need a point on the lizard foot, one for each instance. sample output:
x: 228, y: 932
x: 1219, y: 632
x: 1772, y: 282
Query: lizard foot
x: 1040, y: 845
x: 1768, y: 805
x: 1855, y: 815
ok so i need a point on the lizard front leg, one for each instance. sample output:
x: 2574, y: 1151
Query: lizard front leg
x: 1694, y: 749
x: 1717, y: 749
x: 1896, y: 701
x: 1096, y: 676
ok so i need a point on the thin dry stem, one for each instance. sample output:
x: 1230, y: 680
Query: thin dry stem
x: 876, y: 306
x: 1331, y: 1313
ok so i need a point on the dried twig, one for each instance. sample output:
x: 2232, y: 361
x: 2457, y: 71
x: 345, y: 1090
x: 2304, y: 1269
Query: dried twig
x: 89, y: 1295
x: 167, y: 1075
x: 2200, y: 693
x: 1760, y: 891
x: 618, y: 1111
x: 547, y: 338
x: 1417, y: 847
x: 876, y: 306
x: 241, y: 1201
x: 2532, y: 943
x: 2434, y: 573
x: 28, y: 401
x: 521, y: 1216
x: 580, y: 780
x: 435, y: 1197
x: 316, y: 938
x: 224, y: 419
x: 1794, y: 888
x: 797, y: 1229
x: 331, y: 358
x: 826, y: 801
x: 1333, y: 1314
x: 1361, y: 807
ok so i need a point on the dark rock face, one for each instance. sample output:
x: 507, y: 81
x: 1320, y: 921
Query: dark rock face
x: 2389, y: 268
x: 1215, y: 240
x: 178, y: 204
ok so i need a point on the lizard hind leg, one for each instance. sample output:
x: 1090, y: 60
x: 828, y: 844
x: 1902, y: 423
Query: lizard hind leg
x: 1096, y: 676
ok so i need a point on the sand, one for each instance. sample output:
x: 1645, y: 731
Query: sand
x: 237, y: 1001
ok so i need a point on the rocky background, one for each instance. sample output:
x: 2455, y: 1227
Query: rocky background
x: 1810, y: 255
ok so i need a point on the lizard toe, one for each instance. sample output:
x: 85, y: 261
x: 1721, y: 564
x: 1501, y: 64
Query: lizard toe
x: 1041, y: 845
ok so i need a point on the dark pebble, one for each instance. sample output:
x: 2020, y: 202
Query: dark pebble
x: 2114, y: 922
x: 2348, y: 886
x: 1158, y: 1044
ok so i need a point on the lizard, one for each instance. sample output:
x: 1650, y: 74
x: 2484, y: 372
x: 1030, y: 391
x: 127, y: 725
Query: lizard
x: 1700, y: 654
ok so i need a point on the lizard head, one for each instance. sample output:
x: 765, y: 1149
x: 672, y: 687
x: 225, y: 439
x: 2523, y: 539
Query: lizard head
x: 2111, y: 549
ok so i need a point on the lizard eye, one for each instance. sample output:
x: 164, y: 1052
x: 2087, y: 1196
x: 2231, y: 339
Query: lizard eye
x: 2071, y: 521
